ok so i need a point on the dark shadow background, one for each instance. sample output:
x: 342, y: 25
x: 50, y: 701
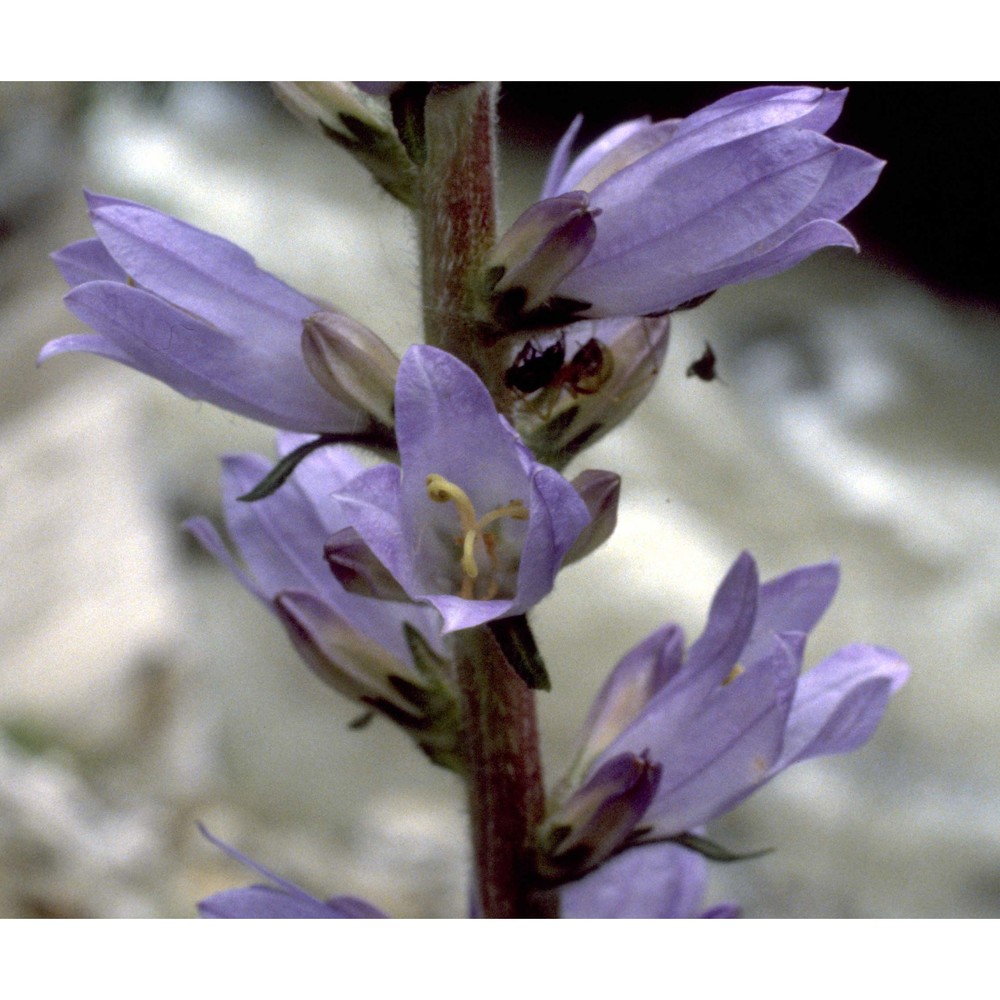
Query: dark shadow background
x: 935, y: 213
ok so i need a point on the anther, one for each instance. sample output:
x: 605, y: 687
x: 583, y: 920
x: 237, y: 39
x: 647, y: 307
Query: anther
x: 441, y: 490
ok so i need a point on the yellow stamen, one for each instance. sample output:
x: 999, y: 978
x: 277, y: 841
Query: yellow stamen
x: 440, y: 490
x: 733, y: 674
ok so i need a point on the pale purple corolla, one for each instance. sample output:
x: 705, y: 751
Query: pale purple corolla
x: 651, y: 216
x: 468, y: 522
x: 734, y: 711
x: 661, y: 881
x: 279, y: 900
x: 194, y: 311
x: 357, y: 645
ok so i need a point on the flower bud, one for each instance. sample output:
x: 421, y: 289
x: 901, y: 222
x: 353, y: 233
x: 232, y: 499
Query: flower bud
x: 610, y: 367
x: 420, y: 698
x: 544, y: 245
x: 358, y: 570
x: 351, y: 363
x: 599, y: 490
x: 598, y: 818
x: 359, y: 123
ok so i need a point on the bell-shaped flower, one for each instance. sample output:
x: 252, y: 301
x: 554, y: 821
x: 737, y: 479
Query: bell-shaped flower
x: 742, y: 189
x: 194, y: 311
x: 469, y: 522
x: 279, y: 900
x: 733, y: 712
x: 385, y: 655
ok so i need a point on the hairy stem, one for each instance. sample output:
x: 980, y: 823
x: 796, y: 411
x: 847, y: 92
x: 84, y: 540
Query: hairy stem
x: 500, y: 736
x: 506, y: 798
x: 458, y: 214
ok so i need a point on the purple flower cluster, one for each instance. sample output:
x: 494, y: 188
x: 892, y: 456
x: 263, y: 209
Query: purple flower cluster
x: 373, y: 570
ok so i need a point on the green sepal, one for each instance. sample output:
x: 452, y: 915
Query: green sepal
x: 381, y: 152
x: 380, y: 439
x: 407, y: 106
x: 517, y: 643
x: 710, y: 849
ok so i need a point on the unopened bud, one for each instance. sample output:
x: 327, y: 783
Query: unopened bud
x: 598, y: 818
x: 545, y: 244
x: 599, y: 490
x: 358, y: 570
x: 359, y: 123
x: 351, y: 363
x: 603, y: 381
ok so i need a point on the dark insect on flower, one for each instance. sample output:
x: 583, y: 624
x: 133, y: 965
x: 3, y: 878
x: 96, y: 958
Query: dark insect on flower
x: 704, y: 367
x: 534, y: 369
x: 583, y: 375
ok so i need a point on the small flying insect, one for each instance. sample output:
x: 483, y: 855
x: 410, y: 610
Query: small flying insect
x: 704, y: 367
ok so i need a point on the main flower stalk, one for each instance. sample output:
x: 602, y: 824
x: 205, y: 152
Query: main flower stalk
x: 500, y: 736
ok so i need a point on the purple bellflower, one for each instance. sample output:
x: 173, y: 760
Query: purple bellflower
x: 733, y: 712
x: 194, y: 311
x: 651, y: 216
x: 469, y: 522
x: 383, y: 654
x: 280, y: 900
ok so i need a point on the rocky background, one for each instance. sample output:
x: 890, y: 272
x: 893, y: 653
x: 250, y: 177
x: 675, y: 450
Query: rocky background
x: 141, y: 690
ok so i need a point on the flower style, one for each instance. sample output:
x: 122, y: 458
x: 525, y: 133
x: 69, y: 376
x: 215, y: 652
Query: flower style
x: 733, y: 712
x: 281, y: 900
x: 470, y: 522
x: 383, y: 654
x: 195, y: 311
x: 652, y: 216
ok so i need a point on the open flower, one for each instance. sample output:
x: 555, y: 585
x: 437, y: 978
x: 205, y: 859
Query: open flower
x: 734, y: 711
x: 470, y: 522
x: 383, y: 654
x: 651, y: 216
x: 195, y: 311
x: 279, y: 900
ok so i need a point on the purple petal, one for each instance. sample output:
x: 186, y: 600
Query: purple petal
x: 261, y: 379
x: 85, y: 261
x: 673, y: 224
x: 717, y: 755
x: 560, y: 161
x: 659, y: 881
x: 839, y: 703
x: 202, y: 273
x: 558, y: 515
x: 92, y: 343
x: 283, y: 900
x: 758, y: 108
x: 794, y: 602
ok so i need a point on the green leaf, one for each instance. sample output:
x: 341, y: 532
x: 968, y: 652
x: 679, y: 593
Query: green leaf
x: 517, y: 643
x: 380, y: 439
x: 713, y: 851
